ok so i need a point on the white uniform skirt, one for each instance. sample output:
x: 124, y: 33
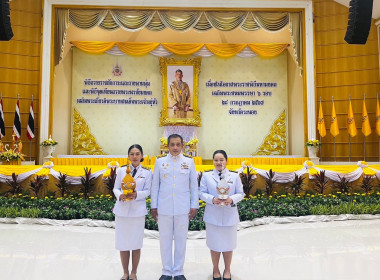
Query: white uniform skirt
x: 129, y: 233
x: 220, y: 238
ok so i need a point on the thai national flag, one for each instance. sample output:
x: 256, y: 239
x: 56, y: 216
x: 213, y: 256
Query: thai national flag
x: 17, y: 122
x: 30, y: 128
x: 2, y: 123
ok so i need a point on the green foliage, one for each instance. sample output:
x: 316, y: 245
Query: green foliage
x: 87, y: 183
x: 110, y: 181
x: 269, y: 182
x: 36, y: 185
x: 367, y: 184
x: 62, y: 184
x: 15, y: 186
x: 343, y: 185
x: 296, y: 185
x: 247, y: 181
x: 100, y: 207
x: 320, y: 184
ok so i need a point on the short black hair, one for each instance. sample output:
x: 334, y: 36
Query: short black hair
x: 175, y: 136
x: 137, y: 146
x: 220, y: 152
x: 179, y: 70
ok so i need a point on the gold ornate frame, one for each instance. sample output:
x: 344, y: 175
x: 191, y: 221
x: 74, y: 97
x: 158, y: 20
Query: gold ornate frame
x: 165, y: 119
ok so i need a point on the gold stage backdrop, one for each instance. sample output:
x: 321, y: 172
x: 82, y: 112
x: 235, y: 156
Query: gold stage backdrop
x: 117, y: 99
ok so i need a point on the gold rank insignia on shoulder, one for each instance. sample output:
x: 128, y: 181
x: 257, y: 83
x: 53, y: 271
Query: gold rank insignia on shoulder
x: 146, y: 167
x: 186, y: 155
x: 162, y: 155
x: 233, y: 171
x: 209, y: 170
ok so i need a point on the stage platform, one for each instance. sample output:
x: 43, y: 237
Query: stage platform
x: 341, y: 250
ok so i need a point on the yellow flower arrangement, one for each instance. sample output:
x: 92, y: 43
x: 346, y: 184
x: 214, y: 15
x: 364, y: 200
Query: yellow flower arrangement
x: 313, y: 143
x: 49, y: 142
x: 164, y: 141
x: 10, y: 155
x: 193, y: 142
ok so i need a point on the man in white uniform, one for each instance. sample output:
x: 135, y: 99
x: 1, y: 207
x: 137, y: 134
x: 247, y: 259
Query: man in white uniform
x: 174, y: 200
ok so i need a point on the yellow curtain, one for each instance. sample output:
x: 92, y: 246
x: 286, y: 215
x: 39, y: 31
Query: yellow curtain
x: 268, y: 50
x: 93, y: 47
x: 182, y: 49
x: 225, y: 50
x: 141, y: 48
x: 137, y: 48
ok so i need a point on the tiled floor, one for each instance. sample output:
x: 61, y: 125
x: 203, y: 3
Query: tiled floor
x: 333, y: 250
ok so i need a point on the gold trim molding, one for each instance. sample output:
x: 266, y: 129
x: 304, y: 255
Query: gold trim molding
x: 275, y: 141
x: 84, y: 143
x: 165, y: 119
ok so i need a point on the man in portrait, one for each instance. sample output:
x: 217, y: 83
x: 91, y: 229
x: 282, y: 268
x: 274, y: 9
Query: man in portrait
x: 179, y: 96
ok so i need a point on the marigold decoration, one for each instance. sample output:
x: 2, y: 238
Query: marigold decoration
x: 113, y: 164
x: 49, y: 142
x: 309, y: 165
x: 313, y: 143
x: 193, y: 142
x: 44, y: 173
x: 110, y: 165
x: 128, y: 184
x: 362, y: 164
x: 164, y: 141
x: 48, y: 164
x: 366, y: 170
x: 10, y: 155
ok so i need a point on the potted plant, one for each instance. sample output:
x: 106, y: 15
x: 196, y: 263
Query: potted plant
x: 48, y: 146
x: 313, y: 147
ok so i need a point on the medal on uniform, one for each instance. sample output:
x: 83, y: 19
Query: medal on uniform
x: 128, y: 184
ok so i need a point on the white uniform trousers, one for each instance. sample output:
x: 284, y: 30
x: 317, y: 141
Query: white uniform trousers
x: 173, y: 227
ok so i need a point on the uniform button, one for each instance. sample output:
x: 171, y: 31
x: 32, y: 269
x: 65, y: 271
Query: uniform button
x: 175, y: 168
x: 173, y: 194
x: 174, y: 177
x: 174, y: 186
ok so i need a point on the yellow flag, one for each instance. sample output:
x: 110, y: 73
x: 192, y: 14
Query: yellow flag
x: 351, y: 126
x: 366, y: 127
x: 378, y: 118
x: 321, y: 122
x: 334, y: 128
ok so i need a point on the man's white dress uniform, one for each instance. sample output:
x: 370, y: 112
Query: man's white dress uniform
x: 174, y: 191
x: 130, y: 215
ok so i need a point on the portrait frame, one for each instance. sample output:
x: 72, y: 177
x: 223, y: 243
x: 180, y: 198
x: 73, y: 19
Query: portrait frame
x: 166, y: 68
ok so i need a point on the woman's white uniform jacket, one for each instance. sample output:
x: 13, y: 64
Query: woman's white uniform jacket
x: 137, y: 207
x: 216, y: 214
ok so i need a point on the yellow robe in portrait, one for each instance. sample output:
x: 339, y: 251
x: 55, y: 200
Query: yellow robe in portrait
x: 179, y: 95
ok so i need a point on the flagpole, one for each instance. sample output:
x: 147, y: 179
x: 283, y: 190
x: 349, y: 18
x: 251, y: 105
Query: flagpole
x: 320, y: 137
x: 334, y: 136
x: 364, y: 135
x: 378, y: 137
x: 349, y: 137
x: 30, y: 142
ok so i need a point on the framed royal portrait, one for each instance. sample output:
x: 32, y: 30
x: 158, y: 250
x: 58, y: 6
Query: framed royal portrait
x: 180, y: 91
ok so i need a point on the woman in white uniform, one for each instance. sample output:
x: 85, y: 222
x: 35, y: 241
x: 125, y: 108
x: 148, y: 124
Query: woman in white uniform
x: 221, y: 215
x: 130, y: 211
